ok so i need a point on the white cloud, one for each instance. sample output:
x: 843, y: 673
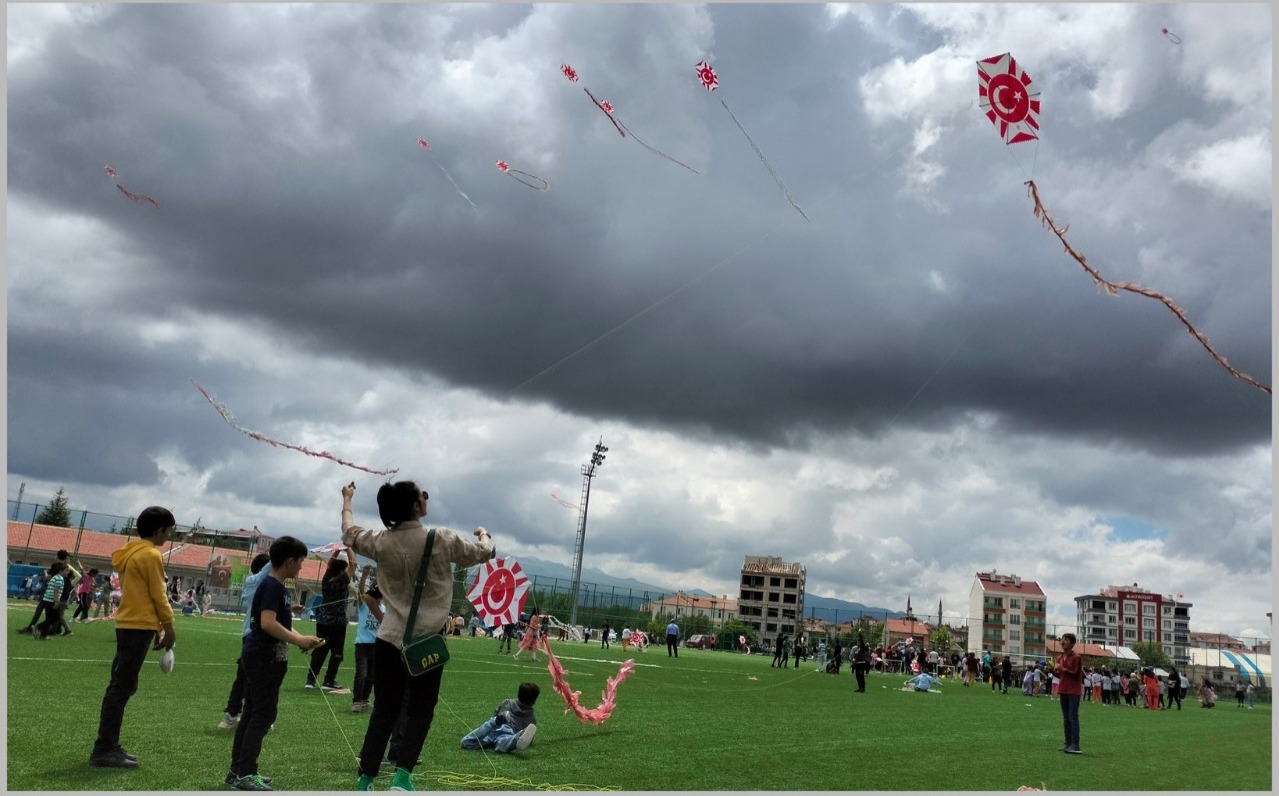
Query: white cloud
x: 1237, y: 168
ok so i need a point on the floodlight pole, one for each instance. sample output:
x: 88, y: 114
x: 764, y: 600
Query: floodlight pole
x: 588, y: 472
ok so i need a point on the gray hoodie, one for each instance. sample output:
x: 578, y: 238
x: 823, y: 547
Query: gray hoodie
x: 515, y: 714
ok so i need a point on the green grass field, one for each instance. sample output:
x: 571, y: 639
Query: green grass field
x: 707, y: 721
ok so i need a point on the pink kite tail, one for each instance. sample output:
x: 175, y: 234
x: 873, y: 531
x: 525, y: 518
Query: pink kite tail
x: 137, y: 197
x: 275, y: 443
x: 1113, y: 289
x: 604, y: 111
x: 597, y: 715
x: 759, y: 153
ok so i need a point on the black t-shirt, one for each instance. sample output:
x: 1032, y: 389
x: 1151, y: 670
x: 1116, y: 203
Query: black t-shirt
x: 270, y: 595
x: 333, y: 592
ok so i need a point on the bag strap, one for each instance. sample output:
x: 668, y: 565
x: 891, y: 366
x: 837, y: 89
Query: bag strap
x: 417, y: 587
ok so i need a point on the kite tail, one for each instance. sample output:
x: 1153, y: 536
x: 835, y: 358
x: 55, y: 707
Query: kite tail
x: 597, y: 715
x: 275, y: 443
x: 764, y: 160
x: 545, y: 186
x: 657, y: 151
x: 450, y: 179
x: 1113, y: 289
x: 606, y: 113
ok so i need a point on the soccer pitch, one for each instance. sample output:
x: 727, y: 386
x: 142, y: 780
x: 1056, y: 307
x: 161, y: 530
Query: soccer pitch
x: 705, y: 721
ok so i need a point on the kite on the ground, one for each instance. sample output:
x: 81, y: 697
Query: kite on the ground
x: 514, y: 174
x: 422, y: 142
x: 710, y: 82
x: 1005, y: 96
x: 597, y: 715
x: 230, y: 420
x: 499, y: 591
x: 1172, y: 37
x: 1007, y: 100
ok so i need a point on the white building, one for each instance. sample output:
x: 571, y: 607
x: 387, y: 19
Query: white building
x: 1007, y: 615
x: 1126, y: 615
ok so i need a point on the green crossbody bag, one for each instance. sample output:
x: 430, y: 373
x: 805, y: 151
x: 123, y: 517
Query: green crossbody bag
x: 424, y: 653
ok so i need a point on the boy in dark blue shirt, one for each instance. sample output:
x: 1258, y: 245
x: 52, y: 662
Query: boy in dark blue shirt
x: 264, y: 657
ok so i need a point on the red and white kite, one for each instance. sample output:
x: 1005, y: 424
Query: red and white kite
x: 506, y: 169
x: 607, y: 107
x: 499, y: 591
x: 707, y: 75
x: 710, y: 82
x: 112, y: 173
x: 1005, y: 96
x: 422, y: 142
x: 569, y: 72
x: 331, y: 547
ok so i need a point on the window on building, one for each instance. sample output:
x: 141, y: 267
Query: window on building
x: 1111, y: 606
x: 1099, y: 619
x: 1148, y: 635
x: 1130, y: 607
x: 1167, y: 610
x: 774, y: 597
x: 1014, y: 649
x: 1014, y: 619
x: 772, y: 627
x: 774, y: 582
x: 1130, y: 620
x: 1148, y: 622
x: 1112, y: 632
x: 788, y: 598
x: 1130, y: 633
x: 1167, y: 638
x: 792, y: 583
x: 1111, y: 619
x: 1013, y: 602
x: 1148, y: 609
x: 1014, y: 635
x: 772, y: 612
x: 1098, y: 605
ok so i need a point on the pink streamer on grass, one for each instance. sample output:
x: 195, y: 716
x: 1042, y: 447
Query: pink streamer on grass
x: 597, y: 715
x: 230, y: 420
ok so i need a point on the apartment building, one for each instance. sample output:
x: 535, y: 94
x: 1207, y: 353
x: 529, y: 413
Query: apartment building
x: 1007, y: 615
x: 772, y: 596
x: 1124, y: 615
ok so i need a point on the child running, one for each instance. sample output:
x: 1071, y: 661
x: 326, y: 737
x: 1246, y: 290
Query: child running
x: 264, y: 656
x: 511, y: 727
x: 532, y: 637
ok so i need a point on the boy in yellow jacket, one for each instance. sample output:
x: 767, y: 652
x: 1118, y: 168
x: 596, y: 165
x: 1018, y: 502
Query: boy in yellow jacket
x: 144, y: 609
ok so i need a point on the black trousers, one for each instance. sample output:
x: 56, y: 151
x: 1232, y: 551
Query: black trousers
x: 392, y: 687
x: 82, y: 610
x: 131, y: 648
x: 363, y: 673
x: 54, y: 620
x: 235, y: 701
x: 334, y: 636
x: 41, y: 608
x: 859, y: 669
x: 672, y: 645
x: 263, y: 675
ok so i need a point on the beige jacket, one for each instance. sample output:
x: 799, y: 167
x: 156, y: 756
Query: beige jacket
x: 398, y: 554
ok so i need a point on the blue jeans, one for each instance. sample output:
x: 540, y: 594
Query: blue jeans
x: 490, y: 736
x: 1070, y: 718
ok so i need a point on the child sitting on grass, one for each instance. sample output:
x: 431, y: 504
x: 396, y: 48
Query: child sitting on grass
x: 512, y: 726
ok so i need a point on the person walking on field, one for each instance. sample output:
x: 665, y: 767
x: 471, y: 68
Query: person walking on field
x: 1006, y: 672
x: 1070, y: 669
x: 672, y: 640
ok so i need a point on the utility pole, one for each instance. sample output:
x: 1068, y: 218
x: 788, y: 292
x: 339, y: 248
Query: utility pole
x: 18, y: 505
x: 588, y: 472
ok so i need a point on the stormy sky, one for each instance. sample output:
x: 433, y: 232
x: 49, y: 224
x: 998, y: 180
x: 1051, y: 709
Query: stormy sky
x: 914, y: 384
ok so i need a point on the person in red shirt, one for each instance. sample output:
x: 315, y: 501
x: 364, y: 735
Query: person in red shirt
x: 1070, y: 670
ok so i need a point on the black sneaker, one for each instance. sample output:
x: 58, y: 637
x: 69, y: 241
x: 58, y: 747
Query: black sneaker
x: 117, y: 758
x: 333, y: 686
x: 251, y: 782
x: 1073, y: 750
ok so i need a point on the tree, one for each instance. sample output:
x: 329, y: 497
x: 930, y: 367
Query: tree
x: 940, y: 639
x: 727, y: 637
x: 1151, y: 654
x: 56, y: 513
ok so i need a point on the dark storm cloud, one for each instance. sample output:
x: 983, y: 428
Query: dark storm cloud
x: 301, y: 200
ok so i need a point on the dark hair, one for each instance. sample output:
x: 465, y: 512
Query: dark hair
x: 286, y: 548
x: 63, y: 555
x: 395, y: 502
x: 528, y: 693
x: 374, y: 592
x: 1070, y: 636
x: 56, y: 567
x: 154, y: 518
x: 336, y: 567
x: 93, y: 573
x: 260, y: 560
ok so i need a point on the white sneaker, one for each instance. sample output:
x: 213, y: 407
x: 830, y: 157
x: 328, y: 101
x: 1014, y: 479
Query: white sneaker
x: 525, y: 738
x: 228, y: 722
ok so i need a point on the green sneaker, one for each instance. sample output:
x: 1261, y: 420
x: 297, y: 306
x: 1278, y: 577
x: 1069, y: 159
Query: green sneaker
x: 251, y: 782
x: 365, y: 783
x: 403, y: 780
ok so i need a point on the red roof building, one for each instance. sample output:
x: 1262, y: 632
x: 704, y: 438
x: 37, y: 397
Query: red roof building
x: 1007, y: 616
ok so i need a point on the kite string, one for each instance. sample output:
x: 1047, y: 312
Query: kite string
x: 1113, y: 289
x: 764, y: 160
x: 604, y: 111
x: 655, y: 150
